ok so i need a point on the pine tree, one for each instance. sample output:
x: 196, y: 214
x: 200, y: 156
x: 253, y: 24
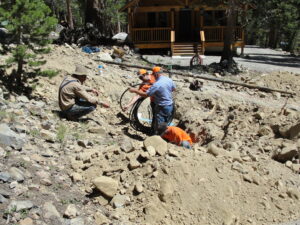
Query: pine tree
x: 29, y: 23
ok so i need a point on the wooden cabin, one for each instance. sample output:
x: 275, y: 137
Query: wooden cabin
x: 177, y: 25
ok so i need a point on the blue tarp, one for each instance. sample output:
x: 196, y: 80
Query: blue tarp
x: 89, y: 49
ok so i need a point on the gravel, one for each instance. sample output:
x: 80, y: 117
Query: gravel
x: 255, y: 58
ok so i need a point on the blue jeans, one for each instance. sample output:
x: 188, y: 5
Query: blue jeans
x: 186, y: 144
x: 79, y: 109
x: 163, y: 114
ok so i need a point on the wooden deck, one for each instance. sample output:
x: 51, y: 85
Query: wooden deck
x: 164, y: 38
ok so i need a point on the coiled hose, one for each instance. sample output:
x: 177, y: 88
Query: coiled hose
x: 133, y: 114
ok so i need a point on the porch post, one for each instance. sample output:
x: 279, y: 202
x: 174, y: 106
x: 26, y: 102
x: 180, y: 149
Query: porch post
x: 172, y: 19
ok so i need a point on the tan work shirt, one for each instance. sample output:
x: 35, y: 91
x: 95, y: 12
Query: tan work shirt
x: 71, y: 91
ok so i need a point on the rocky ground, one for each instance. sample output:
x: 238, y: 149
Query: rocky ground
x: 243, y: 170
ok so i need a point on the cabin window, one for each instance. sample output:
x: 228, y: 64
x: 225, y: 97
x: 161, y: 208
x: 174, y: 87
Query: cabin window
x: 157, y: 19
x: 162, y: 19
x: 140, y: 20
x: 151, y: 19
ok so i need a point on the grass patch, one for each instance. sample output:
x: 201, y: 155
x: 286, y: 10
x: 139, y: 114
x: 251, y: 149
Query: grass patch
x: 61, y: 133
x: 34, y: 132
x: 49, y: 73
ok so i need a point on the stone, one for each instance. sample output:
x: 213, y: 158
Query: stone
x: 165, y: 191
x: 3, y: 199
x: 23, y: 99
x: 49, y: 210
x: 296, y: 168
x: 97, y: 130
x: 157, y: 143
x: 173, y: 152
x: 214, y: 150
x: 133, y: 164
x: 291, y: 132
x: 235, y: 155
x: 138, y: 187
x: 13, y: 184
x: 288, y: 164
x: 286, y: 154
x: 76, y: 177
x: 4, y: 193
x: 265, y: 131
x: 77, y: 221
x: 26, y: 221
x: 101, y: 219
x: 46, y: 125
x: 5, y: 176
x: 293, y: 193
x: 48, y: 135
x: 71, y: 211
x: 104, y: 56
x: 126, y: 145
x: 20, y: 205
x: 151, y: 150
x: 43, y: 174
x: 16, y: 174
x: 248, y: 178
x: 106, y: 185
x: 119, y: 201
x: 2, y: 152
x: 46, y: 182
x: 10, y: 138
x: 83, y: 143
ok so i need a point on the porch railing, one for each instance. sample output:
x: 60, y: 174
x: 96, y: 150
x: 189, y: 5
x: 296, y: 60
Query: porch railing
x: 157, y: 34
x: 216, y: 34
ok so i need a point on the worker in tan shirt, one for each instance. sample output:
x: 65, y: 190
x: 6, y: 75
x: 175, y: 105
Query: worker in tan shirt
x: 74, y: 99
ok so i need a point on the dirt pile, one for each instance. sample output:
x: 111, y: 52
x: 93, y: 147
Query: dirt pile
x: 243, y: 170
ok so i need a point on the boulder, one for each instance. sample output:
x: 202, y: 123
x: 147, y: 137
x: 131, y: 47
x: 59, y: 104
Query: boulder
x: 20, y: 205
x: 16, y: 174
x: 71, y: 211
x: 290, y: 132
x: 49, y: 210
x: 126, y: 145
x: 106, y: 185
x: 104, y: 56
x: 121, y: 37
x: 119, y: 201
x: 286, y: 154
x: 157, y: 143
x: 10, y: 138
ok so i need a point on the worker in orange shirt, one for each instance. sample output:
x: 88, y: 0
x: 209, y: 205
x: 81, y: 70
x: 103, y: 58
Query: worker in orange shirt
x: 148, y: 80
x: 175, y: 135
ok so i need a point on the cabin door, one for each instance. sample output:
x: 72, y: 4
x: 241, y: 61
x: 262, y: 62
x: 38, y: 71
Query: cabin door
x: 185, y: 33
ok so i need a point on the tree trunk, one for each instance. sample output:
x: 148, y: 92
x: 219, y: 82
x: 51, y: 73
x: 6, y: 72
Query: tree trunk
x: 69, y: 14
x: 293, y: 41
x: 92, y: 12
x: 273, y: 36
x: 227, y: 54
x: 19, y: 72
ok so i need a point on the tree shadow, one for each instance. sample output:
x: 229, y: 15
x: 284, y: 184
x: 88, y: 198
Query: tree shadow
x: 9, y: 82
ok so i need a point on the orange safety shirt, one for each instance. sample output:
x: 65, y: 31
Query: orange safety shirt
x: 176, y: 135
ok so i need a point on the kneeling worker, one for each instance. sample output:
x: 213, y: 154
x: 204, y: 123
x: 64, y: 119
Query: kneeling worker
x: 175, y: 135
x: 74, y: 99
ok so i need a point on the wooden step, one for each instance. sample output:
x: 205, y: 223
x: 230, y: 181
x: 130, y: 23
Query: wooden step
x: 185, y: 49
